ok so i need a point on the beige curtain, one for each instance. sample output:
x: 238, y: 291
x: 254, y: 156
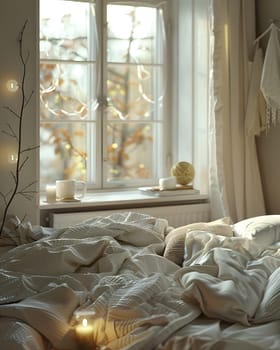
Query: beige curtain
x: 235, y: 116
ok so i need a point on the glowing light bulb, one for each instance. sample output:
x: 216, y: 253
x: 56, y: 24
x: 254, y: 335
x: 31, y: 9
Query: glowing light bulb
x: 12, y: 85
x: 84, y: 322
x: 12, y: 158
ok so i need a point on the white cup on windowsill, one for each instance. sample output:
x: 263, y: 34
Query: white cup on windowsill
x: 70, y: 190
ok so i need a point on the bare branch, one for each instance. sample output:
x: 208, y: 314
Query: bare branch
x: 11, y: 129
x: 29, y: 149
x: 27, y: 100
x: 11, y: 135
x: 22, y: 32
x: 13, y: 176
x: 27, y: 195
x: 23, y: 163
x: 12, y: 111
x: 29, y: 185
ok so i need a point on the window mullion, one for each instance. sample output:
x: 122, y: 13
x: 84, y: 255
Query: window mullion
x: 101, y: 89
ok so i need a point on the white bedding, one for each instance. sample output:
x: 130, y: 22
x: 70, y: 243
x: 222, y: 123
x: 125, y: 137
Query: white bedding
x: 112, y: 271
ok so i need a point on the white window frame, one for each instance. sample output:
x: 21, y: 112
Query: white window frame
x: 185, y: 136
x: 165, y: 146
x: 191, y: 71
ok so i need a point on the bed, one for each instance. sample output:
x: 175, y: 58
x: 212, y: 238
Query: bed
x: 130, y: 281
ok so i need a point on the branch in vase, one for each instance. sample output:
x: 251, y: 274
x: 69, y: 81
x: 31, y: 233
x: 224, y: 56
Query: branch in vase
x: 26, y: 192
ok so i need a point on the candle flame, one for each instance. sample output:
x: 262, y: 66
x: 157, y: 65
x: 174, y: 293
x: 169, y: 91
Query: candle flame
x: 84, y: 322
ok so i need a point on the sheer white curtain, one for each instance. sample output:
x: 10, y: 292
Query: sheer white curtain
x: 235, y: 184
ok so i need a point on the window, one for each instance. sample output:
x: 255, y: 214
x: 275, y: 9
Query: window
x: 104, y: 103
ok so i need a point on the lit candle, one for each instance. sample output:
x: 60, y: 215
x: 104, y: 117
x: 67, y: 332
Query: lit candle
x: 51, y: 193
x: 84, y: 332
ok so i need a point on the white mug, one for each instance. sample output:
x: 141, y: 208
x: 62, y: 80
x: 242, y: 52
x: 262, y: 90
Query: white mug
x: 67, y: 189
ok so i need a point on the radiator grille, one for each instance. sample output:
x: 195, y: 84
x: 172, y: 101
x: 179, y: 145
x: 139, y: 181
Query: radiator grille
x: 177, y: 215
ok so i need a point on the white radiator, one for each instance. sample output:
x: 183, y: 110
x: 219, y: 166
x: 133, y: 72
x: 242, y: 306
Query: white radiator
x: 177, y: 215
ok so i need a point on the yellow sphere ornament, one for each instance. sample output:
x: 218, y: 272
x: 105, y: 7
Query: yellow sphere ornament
x: 184, y: 172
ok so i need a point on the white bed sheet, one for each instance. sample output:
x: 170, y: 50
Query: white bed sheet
x: 226, y: 296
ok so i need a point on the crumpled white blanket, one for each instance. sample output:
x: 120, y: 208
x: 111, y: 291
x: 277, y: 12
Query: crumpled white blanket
x: 90, y: 269
x: 231, y: 278
x: 111, y: 271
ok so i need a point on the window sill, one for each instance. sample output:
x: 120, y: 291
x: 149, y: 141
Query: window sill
x: 121, y: 199
x: 118, y: 200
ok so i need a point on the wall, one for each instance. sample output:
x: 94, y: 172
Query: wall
x: 13, y: 14
x: 269, y: 144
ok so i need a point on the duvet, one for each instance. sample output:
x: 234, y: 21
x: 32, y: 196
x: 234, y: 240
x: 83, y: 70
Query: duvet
x: 111, y: 271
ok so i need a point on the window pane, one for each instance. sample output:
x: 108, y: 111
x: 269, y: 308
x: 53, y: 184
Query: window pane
x: 63, y: 151
x: 64, y: 28
x: 135, y: 92
x: 133, y: 35
x: 66, y: 90
x: 130, y: 151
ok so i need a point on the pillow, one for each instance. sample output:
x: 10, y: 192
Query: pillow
x: 175, y: 240
x: 263, y: 229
